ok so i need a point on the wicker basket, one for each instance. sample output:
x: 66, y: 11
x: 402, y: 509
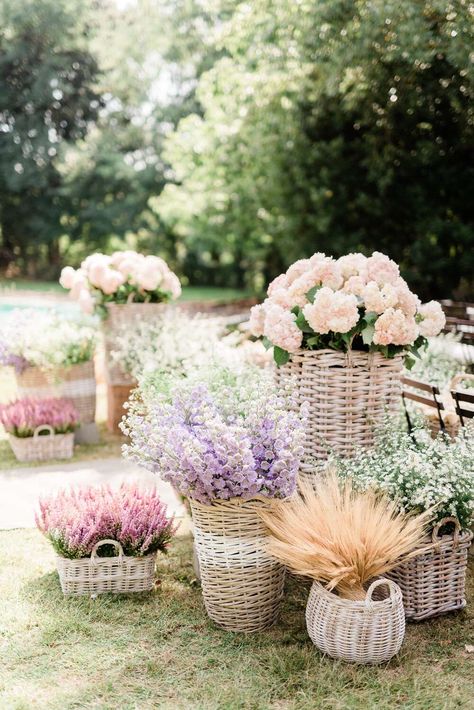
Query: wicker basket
x: 369, y: 631
x: 98, y: 575
x: 118, y: 317
x: 242, y: 583
x: 349, y: 395
x: 75, y: 383
x: 42, y: 448
x: 434, y: 582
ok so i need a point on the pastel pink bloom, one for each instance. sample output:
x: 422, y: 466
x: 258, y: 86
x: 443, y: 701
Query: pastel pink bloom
x: 332, y: 311
x: 97, y: 273
x: 378, y: 299
x: 395, y: 328
x: 111, y: 281
x: 119, y: 256
x: 304, y: 283
x: 129, y: 266
x: 257, y: 320
x: 171, y: 284
x: 86, y: 302
x: 382, y: 269
x: 279, y: 282
x: 327, y: 272
x: 433, y: 319
x: 281, y: 329
x: 79, y: 284
x: 148, y: 277
x: 408, y: 302
x: 297, y: 269
x: 282, y: 297
x: 351, y: 265
x: 355, y: 285
x: 67, y: 278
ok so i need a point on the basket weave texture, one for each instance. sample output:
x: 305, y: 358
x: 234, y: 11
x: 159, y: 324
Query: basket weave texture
x: 42, y: 448
x: 242, y: 584
x: 434, y: 582
x: 75, y: 383
x: 369, y: 631
x: 349, y: 395
x: 120, y: 315
x: 98, y: 575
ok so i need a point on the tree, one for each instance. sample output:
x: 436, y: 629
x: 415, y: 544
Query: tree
x: 333, y: 126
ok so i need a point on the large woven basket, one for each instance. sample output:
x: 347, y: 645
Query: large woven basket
x: 349, y: 395
x: 242, y: 584
x: 42, y: 448
x: 76, y: 383
x: 98, y: 575
x: 119, y: 316
x: 434, y: 582
x: 369, y: 631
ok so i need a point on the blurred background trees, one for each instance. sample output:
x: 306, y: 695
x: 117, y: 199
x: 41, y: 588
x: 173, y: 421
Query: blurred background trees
x: 234, y: 138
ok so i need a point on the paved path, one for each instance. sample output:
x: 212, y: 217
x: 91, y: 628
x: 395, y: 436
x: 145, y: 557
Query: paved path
x: 20, y: 488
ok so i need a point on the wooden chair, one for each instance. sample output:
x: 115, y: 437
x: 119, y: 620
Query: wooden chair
x: 430, y: 397
x: 462, y: 399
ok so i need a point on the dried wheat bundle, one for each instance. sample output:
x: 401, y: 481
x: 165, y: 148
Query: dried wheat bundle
x: 341, y: 537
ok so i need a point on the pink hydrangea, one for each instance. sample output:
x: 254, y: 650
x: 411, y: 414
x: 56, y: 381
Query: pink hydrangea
x: 279, y: 282
x: 395, y: 328
x: 281, y: 329
x: 378, y: 299
x: 407, y: 301
x: 355, y: 285
x: 382, y: 269
x: 353, y: 265
x: 296, y: 270
x: 68, y: 277
x: 433, y: 319
x: 326, y: 271
x: 332, y: 311
x: 257, y: 320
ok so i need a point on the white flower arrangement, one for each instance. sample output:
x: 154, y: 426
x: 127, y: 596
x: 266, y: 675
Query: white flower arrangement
x: 418, y: 472
x: 45, y: 340
x: 437, y: 365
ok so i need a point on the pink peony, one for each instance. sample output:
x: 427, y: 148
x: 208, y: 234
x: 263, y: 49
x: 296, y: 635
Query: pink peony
x: 332, y: 311
x: 433, y: 319
x: 395, y: 328
x: 257, y: 320
x: 67, y: 278
x: 379, y: 299
x: 382, y: 269
x: 281, y: 329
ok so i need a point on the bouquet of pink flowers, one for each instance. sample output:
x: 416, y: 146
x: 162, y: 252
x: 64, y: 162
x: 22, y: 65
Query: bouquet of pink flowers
x: 22, y: 417
x: 75, y: 521
x: 120, y: 278
x: 353, y: 302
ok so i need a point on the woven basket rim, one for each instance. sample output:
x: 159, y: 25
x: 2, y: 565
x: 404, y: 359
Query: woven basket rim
x: 320, y: 351
x: 114, y: 558
x: 356, y: 604
x: 217, y: 502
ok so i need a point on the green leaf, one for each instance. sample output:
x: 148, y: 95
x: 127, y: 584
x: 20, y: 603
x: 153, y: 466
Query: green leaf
x: 267, y: 343
x: 409, y: 362
x: 368, y: 334
x: 280, y: 356
x: 313, y: 340
x: 303, y: 324
x: 370, y: 317
x: 312, y: 293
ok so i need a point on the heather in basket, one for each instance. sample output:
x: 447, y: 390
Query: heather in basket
x: 122, y: 277
x: 354, y: 302
x: 74, y: 521
x: 218, y: 434
x: 23, y: 417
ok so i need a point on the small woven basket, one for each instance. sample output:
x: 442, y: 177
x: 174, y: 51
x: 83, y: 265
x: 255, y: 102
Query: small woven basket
x: 242, y: 584
x: 98, y: 575
x: 369, y: 631
x: 434, y: 582
x: 120, y: 315
x: 452, y: 423
x: 349, y: 394
x: 42, y: 448
x: 75, y: 383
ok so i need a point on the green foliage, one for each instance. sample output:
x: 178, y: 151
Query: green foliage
x: 333, y: 126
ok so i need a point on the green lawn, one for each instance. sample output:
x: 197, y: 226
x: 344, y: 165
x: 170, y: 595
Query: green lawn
x: 159, y: 650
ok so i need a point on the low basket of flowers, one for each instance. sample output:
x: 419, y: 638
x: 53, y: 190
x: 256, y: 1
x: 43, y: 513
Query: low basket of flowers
x: 40, y: 429
x: 106, y: 540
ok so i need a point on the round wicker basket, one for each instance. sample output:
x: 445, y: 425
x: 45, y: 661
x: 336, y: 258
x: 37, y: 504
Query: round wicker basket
x: 349, y: 395
x: 242, y: 584
x: 369, y: 631
x: 42, y: 448
x: 76, y: 383
x: 119, y: 316
x: 434, y: 582
x: 98, y: 575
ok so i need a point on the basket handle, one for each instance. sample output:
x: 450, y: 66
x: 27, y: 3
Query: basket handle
x: 444, y: 521
x: 393, y: 588
x: 43, y: 427
x: 116, y: 544
x: 459, y: 378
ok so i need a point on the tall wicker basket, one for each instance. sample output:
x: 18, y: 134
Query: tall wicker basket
x: 98, y: 575
x: 76, y: 383
x: 242, y: 584
x: 118, y: 317
x: 349, y: 395
x: 434, y: 582
x: 42, y: 447
x: 369, y: 631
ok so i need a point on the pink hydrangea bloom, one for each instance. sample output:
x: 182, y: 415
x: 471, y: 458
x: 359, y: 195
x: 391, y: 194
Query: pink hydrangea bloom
x: 257, y: 320
x: 332, y: 311
x: 355, y: 285
x: 326, y: 271
x: 281, y: 329
x: 433, y: 319
x: 353, y: 265
x: 382, y: 269
x: 296, y: 270
x: 68, y: 277
x: 279, y: 282
x: 395, y: 328
x: 378, y: 299
x: 407, y: 301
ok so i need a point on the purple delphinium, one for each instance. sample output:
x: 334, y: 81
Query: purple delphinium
x: 207, y: 454
x: 76, y: 520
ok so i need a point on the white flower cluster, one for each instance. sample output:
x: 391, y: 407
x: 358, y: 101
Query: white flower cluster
x: 418, y: 472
